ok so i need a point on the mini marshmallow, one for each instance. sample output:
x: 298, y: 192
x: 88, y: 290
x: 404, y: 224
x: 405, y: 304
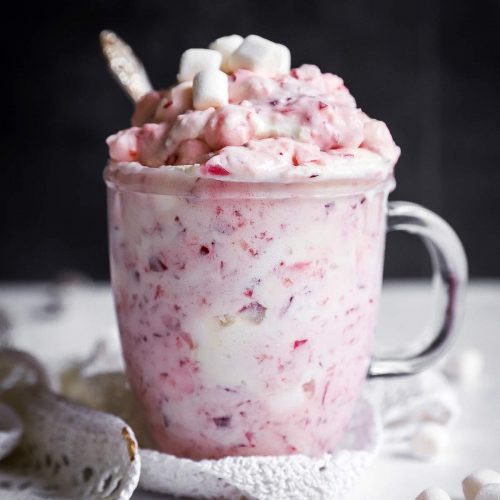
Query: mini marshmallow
x: 226, y: 45
x: 475, y: 481
x: 259, y: 55
x: 285, y: 58
x: 433, y: 494
x: 196, y: 60
x: 429, y: 439
x: 465, y: 367
x: 210, y: 89
x: 489, y: 492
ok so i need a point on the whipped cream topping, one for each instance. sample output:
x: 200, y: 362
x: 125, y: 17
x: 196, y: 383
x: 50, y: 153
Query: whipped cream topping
x: 295, y: 125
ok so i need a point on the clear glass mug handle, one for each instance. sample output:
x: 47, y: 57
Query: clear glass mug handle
x: 449, y: 266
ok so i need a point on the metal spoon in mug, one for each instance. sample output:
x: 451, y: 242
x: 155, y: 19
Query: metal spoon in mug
x: 125, y: 66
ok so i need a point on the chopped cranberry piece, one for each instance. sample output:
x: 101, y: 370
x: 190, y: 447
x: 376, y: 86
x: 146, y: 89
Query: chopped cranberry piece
x: 298, y: 266
x: 217, y: 170
x: 285, y: 309
x: 170, y: 322
x: 187, y: 339
x: 250, y: 438
x: 159, y: 292
x: 204, y: 250
x: 298, y: 343
x: 222, y: 421
x: 324, y: 393
x: 309, y: 388
x: 157, y: 265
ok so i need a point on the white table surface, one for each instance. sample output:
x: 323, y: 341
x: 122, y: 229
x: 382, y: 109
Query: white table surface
x: 474, y: 443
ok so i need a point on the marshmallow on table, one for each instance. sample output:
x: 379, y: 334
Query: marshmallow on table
x: 196, y: 60
x: 489, y: 492
x: 433, y: 494
x: 261, y: 56
x: 475, y: 481
x: 429, y: 439
x: 464, y: 367
x: 226, y: 45
x: 210, y: 89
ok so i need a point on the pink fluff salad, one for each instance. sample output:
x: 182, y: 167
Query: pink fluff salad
x: 303, y: 124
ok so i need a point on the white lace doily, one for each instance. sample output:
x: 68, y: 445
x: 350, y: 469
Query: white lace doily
x: 281, y: 478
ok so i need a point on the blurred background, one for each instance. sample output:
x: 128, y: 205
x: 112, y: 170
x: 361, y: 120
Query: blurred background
x: 429, y: 69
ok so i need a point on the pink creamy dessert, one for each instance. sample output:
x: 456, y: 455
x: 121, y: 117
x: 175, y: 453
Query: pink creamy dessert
x: 246, y: 247
x: 279, y: 128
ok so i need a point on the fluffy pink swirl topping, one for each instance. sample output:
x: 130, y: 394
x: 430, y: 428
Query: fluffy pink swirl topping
x: 301, y: 124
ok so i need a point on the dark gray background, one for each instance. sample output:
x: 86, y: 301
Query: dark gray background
x: 428, y: 68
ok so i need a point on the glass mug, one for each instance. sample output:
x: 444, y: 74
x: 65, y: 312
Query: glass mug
x: 247, y: 311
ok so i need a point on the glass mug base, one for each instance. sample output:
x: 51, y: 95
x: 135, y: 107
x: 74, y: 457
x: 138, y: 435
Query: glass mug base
x: 247, y: 321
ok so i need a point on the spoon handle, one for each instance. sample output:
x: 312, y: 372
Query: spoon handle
x: 125, y: 66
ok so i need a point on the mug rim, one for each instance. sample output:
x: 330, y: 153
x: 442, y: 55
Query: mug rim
x: 174, y: 181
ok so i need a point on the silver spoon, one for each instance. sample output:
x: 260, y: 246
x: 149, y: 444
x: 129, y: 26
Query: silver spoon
x: 5, y: 327
x: 125, y: 66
